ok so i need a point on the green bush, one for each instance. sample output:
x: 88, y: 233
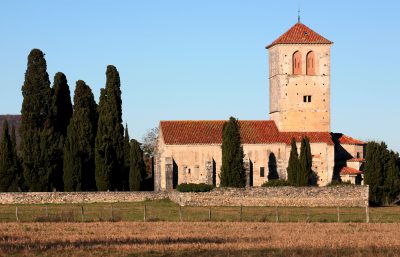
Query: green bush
x: 276, y: 183
x: 191, y: 187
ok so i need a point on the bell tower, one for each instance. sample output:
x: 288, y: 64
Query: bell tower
x: 299, y: 81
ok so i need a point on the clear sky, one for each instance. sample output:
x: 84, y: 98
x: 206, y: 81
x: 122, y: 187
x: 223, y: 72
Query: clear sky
x: 207, y: 59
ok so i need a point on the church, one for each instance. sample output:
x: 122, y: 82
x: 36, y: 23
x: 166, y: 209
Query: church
x: 189, y: 151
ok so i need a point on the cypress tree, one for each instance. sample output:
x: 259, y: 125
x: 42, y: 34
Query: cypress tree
x: 55, y: 133
x: 294, y: 165
x: 305, y: 172
x: 79, y: 165
x: 127, y: 150
x: 62, y: 106
x: 232, y: 170
x: 17, y: 161
x: 8, y: 168
x: 109, y: 149
x: 392, y: 179
x: 34, y: 115
x: 137, y: 166
x: 374, y: 171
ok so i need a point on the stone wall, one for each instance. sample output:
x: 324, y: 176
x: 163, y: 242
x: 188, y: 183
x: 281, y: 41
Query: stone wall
x: 352, y: 196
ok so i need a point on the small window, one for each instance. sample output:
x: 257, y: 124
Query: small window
x: 307, y: 98
x: 261, y: 171
x: 358, y: 154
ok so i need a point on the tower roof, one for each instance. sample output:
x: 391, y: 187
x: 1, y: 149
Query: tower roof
x: 300, y: 34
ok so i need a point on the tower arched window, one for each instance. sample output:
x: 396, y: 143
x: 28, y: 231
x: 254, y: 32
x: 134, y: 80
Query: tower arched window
x: 310, y: 63
x: 297, y: 63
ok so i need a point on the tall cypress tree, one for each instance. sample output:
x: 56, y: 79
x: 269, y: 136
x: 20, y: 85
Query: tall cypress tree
x: 137, y: 166
x: 232, y: 170
x: 294, y: 165
x: 109, y: 150
x: 305, y: 172
x: 55, y: 132
x: 34, y: 115
x: 17, y: 161
x: 127, y: 152
x: 79, y: 165
x: 62, y: 106
x: 392, y: 179
x: 8, y: 168
x: 374, y: 171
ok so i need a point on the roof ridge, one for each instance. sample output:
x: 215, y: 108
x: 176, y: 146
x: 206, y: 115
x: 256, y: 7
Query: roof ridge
x: 300, y: 34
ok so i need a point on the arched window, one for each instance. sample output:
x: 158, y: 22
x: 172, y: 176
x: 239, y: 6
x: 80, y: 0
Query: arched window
x: 297, y: 63
x: 310, y: 63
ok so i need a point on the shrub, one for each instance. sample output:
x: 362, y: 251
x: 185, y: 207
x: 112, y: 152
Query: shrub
x: 276, y: 183
x: 191, y: 187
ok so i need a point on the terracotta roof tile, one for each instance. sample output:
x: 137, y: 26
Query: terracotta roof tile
x: 343, y: 139
x: 351, y: 171
x: 252, y: 132
x: 356, y: 160
x: 300, y: 34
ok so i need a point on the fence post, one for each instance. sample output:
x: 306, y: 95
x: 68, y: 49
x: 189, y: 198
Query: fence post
x: 338, y: 214
x: 241, y: 212
x: 366, y: 214
x: 16, y: 213
x: 82, y: 218
x: 144, y: 213
x: 277, y: 213
x: 209, y: 214
x: 180, y: 213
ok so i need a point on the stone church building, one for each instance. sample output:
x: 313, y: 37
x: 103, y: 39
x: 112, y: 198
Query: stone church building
x: 299, y: 90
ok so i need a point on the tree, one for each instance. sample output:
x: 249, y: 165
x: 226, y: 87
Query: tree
x: 55, y: 132
x: 34, y: 115
x: 127, y: 152
x: 374, y: 172
x: 109, y: 150
x: 232, y: 170
x: 137, y: 166
x: 62, y: 106
x: 305, y: 173
x: 392, y: 179
x: 149, y: 145
x: 79, y: 164
x: 294, y: 165
x: 8, y: 167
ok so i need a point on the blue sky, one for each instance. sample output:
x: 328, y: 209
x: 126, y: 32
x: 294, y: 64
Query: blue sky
x: 206, y: 59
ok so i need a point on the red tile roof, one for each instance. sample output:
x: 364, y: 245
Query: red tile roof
x: 252, y: 132
x: 349, y: 171
x: 356, y: 160
x: 300, y: 34
x: 343, y: 139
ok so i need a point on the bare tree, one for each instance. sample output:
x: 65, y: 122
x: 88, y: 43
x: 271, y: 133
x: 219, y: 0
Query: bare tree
x: 150, y: 141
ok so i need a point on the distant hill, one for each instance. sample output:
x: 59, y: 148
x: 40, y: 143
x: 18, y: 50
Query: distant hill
x: 13, y: 120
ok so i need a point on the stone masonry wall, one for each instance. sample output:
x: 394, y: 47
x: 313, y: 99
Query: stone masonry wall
x: 351, y: 196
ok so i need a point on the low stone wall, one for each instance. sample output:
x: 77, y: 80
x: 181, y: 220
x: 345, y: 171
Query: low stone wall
x: 351, y: 196
x: 79, y: 197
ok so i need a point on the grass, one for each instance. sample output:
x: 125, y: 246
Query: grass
x: 165, y: 210
x: 199, y: 239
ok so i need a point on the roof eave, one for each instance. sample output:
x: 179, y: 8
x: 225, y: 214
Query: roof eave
x: 274, y: 44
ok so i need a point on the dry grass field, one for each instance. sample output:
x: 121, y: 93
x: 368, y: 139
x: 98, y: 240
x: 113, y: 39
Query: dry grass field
x: 199, y: 239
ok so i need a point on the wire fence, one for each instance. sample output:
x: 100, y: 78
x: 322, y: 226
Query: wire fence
x: 165, y: 212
